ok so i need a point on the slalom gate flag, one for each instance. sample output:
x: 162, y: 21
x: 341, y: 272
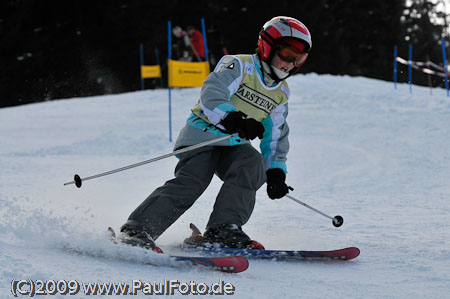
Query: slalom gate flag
x: 187, y: 74
x: 150, y: 71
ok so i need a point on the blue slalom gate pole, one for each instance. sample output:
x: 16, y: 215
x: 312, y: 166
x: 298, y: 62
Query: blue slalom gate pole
x: 395, y: 66
x: 410, y: 69
x: 168, y: 85
x: 444, y: 57
x: 204, y: 39
x: 141, y: 50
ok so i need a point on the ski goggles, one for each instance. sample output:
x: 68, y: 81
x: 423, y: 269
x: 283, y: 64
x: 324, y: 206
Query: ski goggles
x: 288, y: 54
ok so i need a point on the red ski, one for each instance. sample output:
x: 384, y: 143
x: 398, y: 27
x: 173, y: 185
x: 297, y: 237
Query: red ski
x: 344, y: 254
x: 229, y: 264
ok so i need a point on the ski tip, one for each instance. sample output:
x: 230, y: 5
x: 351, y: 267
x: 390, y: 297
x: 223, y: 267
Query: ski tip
x: 195, y: 230
x: 239, y: 264
x: 352, y: 252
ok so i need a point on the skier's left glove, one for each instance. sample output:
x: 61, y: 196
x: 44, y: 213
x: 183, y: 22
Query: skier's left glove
x: 276, y: 187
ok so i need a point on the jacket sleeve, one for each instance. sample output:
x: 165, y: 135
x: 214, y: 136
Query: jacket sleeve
x: 275, y: 143
x: 219, y: 86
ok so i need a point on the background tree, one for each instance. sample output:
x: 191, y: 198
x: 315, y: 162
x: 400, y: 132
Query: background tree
x: 420, y: 29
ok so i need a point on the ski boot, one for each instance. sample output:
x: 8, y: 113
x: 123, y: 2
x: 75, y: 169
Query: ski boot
x: 138, y: 238
x: 224, y: 236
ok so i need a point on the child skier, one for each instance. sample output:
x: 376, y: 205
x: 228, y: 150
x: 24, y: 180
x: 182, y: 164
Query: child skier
x: 248, y: 95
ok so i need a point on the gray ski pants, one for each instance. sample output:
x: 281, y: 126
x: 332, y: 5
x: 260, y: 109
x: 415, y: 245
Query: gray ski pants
x: 241, y: 168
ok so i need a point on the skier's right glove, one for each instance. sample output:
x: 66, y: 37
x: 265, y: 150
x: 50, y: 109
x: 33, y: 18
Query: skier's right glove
x: 276, y: 187
x: 247, y: 128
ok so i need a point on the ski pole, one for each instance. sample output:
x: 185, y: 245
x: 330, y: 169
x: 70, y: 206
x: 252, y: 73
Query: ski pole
x: 336, y: 220
x: 77, y: 180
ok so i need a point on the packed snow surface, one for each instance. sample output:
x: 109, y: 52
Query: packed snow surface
x: 379, y: 157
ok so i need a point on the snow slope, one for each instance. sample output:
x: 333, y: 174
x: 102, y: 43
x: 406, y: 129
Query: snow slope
x: 377, y: 156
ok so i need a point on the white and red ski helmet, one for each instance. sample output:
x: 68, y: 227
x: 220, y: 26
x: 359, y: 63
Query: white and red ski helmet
x: 284, y: 28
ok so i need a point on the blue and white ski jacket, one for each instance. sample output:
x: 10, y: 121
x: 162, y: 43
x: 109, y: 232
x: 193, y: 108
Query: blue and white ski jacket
x: 237, y: 85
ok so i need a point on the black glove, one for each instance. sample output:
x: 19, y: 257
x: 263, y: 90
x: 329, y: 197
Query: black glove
x: 276, y: 187
x: 247, y: 128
